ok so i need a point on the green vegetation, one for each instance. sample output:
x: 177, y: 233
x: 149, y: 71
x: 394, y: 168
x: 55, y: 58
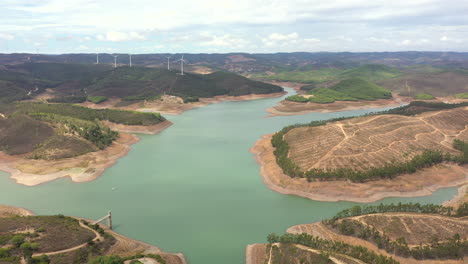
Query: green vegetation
x: 424, y: 96
x: 96, y: 99
x: 57, y: 131
x: 331, y: 247
x: 372, y: 72
x: 453, y: 248
x: 347, y: 90
x: 68, y: 99
x: 332, y: 94
x: 84, y: 113
x: 462, y: 96
x: 318, y: 75
x: 361, y: 89
x: 390, y: 170
x: 297, y: 98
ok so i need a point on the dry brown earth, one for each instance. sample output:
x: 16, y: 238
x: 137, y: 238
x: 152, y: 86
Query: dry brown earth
x: 429, y: 221
x: 361, y: 143
x: 343, y: 143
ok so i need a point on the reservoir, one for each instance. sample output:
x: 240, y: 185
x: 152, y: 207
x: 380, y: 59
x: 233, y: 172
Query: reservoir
x: 194, y: 188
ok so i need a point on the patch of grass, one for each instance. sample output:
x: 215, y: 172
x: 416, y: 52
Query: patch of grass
x: 361, y: 89
x: 330, y: 93
x: 424, y: 96
x: 297, y: 98
x: 96, y: 99
x: 462, y: 96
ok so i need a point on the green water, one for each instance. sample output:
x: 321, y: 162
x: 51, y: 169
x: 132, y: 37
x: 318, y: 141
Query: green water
x: 194, y: 188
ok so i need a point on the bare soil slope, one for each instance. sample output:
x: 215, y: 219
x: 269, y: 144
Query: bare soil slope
x: 374, y: 141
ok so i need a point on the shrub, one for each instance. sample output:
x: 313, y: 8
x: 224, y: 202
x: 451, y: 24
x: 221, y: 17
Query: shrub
x: 96, y: 99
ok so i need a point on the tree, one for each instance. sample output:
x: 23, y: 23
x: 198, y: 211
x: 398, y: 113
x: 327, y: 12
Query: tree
x: 17, y: 240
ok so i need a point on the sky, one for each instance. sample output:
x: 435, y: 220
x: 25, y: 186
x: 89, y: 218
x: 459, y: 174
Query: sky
x: 221, y: 26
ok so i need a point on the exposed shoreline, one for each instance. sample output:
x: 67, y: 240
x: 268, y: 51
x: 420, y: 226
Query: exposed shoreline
x: 177, y: 108
x: 123, y: 247
x: 83, y: 168
x: 421, y: 183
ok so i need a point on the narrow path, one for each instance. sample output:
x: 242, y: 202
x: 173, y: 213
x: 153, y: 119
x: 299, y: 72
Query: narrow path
x: 98, y: 237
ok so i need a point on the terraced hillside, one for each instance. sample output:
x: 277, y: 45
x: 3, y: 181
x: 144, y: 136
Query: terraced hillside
x: 58, y: 239
x: 374, y: 141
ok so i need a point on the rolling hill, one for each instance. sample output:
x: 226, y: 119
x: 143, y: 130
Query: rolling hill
x: 82, y: 80
x: 57, y: 131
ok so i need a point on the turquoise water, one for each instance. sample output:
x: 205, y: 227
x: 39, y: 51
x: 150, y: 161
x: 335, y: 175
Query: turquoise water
x: 194, y: 188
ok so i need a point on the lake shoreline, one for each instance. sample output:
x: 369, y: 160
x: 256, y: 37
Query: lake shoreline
x: 83, y: 168
x: 124, y: 245
x: 177, y: 108
x: 333, y: 191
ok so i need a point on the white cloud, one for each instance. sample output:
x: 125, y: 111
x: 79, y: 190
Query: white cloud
x: 7, y: 36
x: 117, y: 36
x: 83, y: 47
x: 225, y: 40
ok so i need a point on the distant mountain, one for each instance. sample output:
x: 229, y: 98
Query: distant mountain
x: 81, y: 80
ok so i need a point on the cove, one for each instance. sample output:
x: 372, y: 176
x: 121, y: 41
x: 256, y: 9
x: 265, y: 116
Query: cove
x: 194, y: 188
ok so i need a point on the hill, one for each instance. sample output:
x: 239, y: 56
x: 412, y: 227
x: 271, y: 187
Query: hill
x: 408, y: 151
x: 408, y: 233
x: 372, y: 72
x: 442, y: 84
x: 353, y: 89
x: 75, y: 82
x: 57, y: 131
x: 59, y: 239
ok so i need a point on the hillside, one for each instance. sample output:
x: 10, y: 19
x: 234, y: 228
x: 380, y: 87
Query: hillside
x: 364, y: 148
x: 442, y: 84
x: 57, y: 131
x: 58, y: 239
x: 409, y: 233
x: 407, y: 151
x: 353, y: 89
x: 372, y: 72
x: 75, y: 82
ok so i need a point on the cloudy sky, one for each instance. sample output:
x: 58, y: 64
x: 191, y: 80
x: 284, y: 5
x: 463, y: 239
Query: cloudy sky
x: 157, y: 26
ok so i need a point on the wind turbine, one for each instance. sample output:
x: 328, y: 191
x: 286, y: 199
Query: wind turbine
x: 115, y: 60
x: 130, y: 59
x: 181, y: 65
x: 168, y: 68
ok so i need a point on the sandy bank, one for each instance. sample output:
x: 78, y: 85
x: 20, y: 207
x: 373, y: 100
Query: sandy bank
x: 7, y: 211
x: 175, y: 107
x: 320, y: 230
x: 255, y: 254
x: 285, y: 108
x: 83, y: 168
x: 421, y: 183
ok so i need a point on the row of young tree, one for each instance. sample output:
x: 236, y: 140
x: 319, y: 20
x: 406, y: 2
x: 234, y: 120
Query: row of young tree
x: 357, y: 210
x: 330, y: 246
x: 390, y: 170
x: 452, y: 248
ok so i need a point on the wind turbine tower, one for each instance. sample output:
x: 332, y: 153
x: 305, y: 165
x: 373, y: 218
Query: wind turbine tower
x: 168, y: 67
x: 181, y: 65
x: 130, y: 59
x: 115, y: 60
